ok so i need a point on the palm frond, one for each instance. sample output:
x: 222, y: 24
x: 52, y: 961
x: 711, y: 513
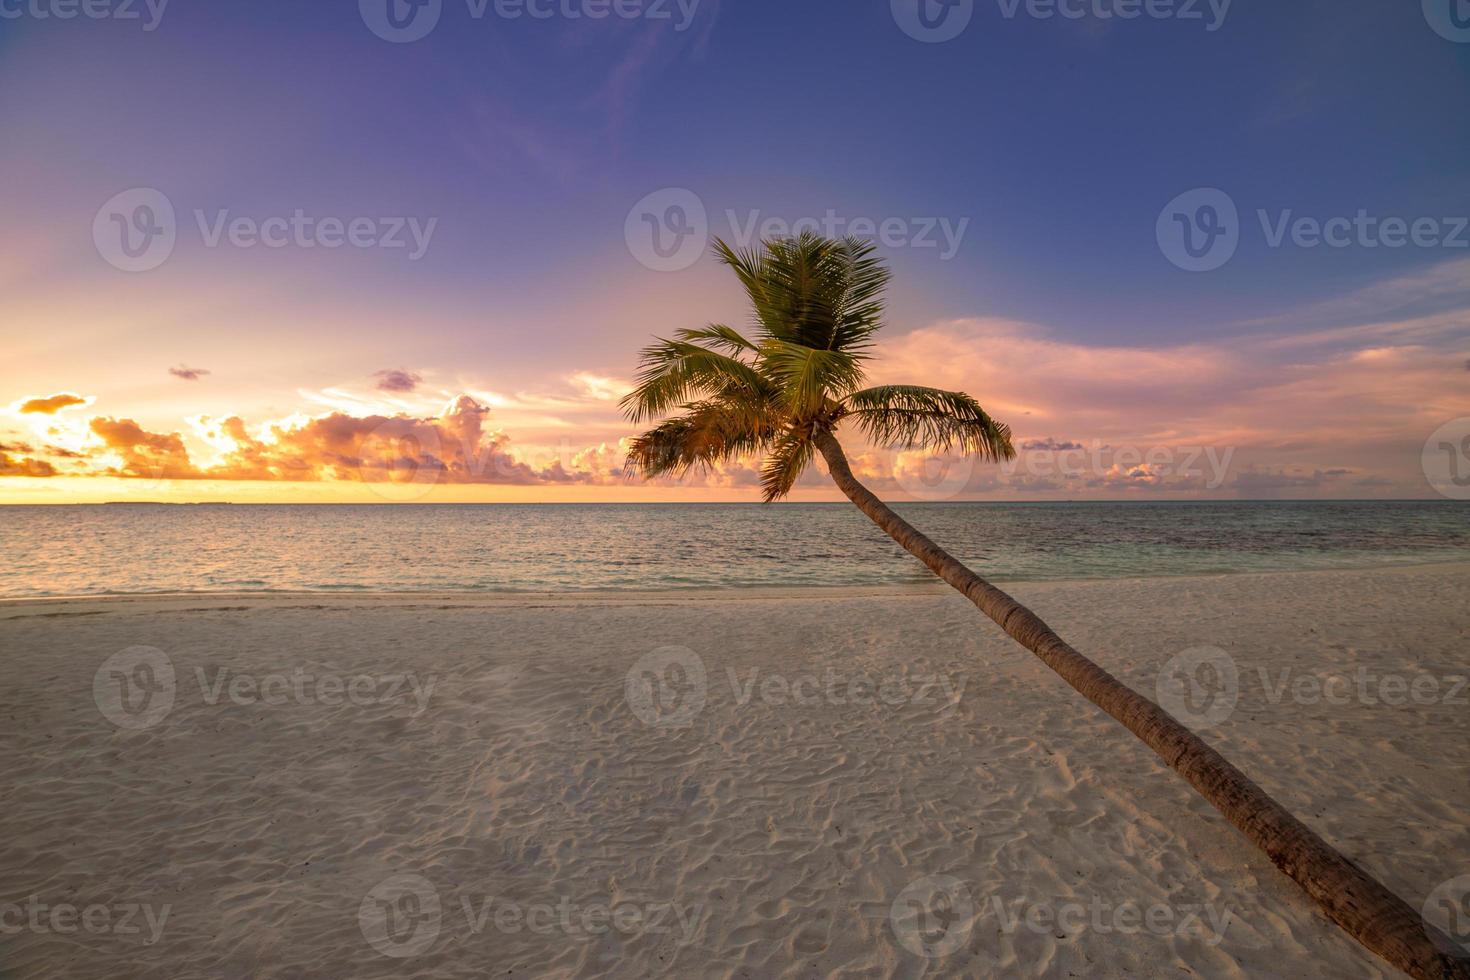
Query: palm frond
x: 709, y: 432
x: 807, y: 377
x: 861, y: 278
x: 813, y: 291
x: 789, y: 458
x: 676, y: 371
x: 912, y: 416
x: 717, y: 336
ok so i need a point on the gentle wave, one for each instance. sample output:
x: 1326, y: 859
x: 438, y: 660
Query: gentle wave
x: 111, y: 549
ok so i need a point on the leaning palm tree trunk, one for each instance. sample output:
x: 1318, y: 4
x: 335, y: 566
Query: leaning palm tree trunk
x: 1372, y: 914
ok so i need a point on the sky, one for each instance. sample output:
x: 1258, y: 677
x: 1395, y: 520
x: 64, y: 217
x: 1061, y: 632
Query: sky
x: 1185, y: 249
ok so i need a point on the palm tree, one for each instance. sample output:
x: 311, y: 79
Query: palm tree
x: 818, y: 304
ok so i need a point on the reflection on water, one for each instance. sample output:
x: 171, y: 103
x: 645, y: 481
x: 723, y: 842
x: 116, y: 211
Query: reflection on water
x: 149, y: 548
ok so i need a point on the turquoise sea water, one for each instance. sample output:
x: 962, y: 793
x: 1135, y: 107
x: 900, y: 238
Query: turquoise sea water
x: 157, y: 548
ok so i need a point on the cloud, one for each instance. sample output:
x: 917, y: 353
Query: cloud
x: 1050, y: 445
x: 1287, y: 412
x: 143, y: 454
x: 187, y: 373
x: 598, y: 387
x: 52, y: 404
x: 60, y: 452
x: 1253, y: 480
x: 10, y: 466
x: 397, y: 380
x: 1341, y: 408
x: 454, y: 448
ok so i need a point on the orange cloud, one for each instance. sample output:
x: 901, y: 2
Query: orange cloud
x: 10, y: 466
x: 1331, y: 412
x: 144, y: 454
x: 1342, y: 409
x: 454, y: 447
x: 52, y: 404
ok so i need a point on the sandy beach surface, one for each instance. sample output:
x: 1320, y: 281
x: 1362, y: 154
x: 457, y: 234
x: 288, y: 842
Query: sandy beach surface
x: 827, y: 783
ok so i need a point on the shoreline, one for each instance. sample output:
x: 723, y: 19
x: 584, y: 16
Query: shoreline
x: 666, y: 596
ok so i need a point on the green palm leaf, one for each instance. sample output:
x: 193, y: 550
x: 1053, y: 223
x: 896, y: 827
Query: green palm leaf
x: 675, y: 371
x: 817, y: 304
x: 911, y: 416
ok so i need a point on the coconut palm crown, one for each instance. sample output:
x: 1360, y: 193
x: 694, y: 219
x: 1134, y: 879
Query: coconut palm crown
x: 818, y: 303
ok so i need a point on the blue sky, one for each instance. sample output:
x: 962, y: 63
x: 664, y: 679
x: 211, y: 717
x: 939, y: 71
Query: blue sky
x: 1057, y: 140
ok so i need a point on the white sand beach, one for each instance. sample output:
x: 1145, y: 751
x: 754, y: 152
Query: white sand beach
x: 460, y: 786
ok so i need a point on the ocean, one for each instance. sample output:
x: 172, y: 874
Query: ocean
x: 142, y: 548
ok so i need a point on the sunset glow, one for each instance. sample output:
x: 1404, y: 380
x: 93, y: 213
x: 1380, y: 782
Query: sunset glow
x: 457, y: 307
